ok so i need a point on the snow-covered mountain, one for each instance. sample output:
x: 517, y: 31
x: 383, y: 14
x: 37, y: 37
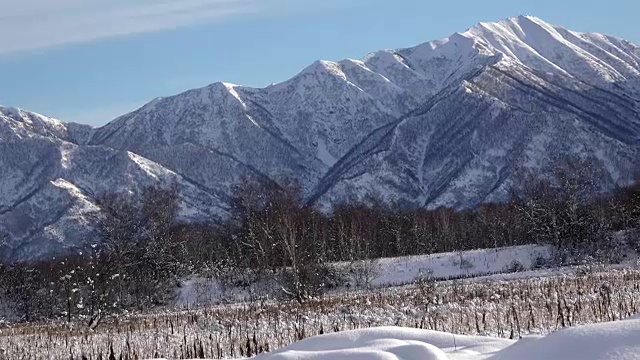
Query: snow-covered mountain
x: 450, y: 122
x: 50, y: 184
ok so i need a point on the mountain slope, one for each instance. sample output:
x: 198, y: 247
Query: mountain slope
x: 301, y: 127
x: 476, y: 141
x: 454, y: 122
x: 50, y: 185
x: 514, y: 117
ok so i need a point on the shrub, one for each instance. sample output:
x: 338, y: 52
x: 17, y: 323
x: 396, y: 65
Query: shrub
x: 516, y: 266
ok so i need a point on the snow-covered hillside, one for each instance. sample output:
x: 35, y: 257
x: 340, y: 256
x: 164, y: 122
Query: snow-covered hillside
x: 454, y: 122
x: 464, y: 264
x: 50, y: 184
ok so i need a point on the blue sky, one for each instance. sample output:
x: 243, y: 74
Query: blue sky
x: 91, y: 60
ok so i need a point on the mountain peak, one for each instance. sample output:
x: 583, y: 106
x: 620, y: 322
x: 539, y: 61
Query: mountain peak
x: 323, y: 66
x: 224, y: 85
x: 530, y: 18
x: 11, y: 112
x: 518, y: 26
x: 514, y: 20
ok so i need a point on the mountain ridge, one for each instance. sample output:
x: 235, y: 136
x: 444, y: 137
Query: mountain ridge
x: 451, y: 122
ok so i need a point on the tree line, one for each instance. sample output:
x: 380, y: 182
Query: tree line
x: 143, y: 250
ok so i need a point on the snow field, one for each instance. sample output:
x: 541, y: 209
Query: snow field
x: 464, y: 264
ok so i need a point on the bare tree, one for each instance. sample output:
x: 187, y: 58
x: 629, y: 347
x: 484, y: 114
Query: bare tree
x: 285, y: 236
x: 139, y: 248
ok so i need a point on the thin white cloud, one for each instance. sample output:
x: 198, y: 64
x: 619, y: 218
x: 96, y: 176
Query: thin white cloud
x: 31, y: 24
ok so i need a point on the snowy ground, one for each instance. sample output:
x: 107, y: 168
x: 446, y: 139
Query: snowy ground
x: 384, y: 272
x: 490, y: 307
x: 465, y: 264
x: 606, y: 341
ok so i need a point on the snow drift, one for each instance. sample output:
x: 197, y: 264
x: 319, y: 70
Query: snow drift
x: 606, y: 341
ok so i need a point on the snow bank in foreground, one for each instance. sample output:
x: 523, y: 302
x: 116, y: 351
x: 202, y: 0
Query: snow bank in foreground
x: 387, y: 343
x: 607, y: 341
